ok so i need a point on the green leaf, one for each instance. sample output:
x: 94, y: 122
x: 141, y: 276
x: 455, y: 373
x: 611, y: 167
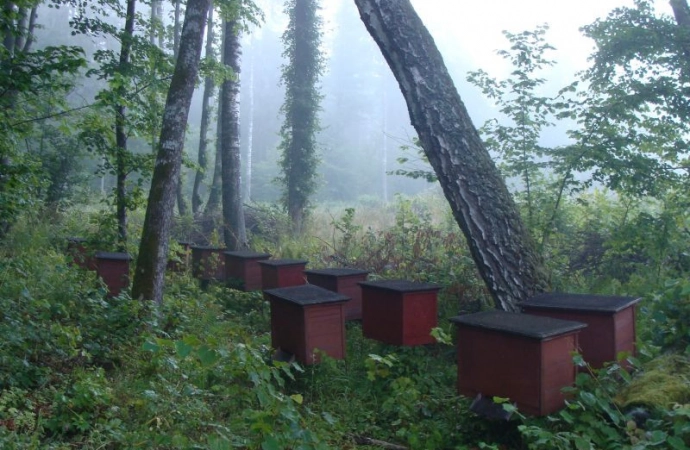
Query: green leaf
x: 207, y: 356
x: 676, y: 443
x: 183, y: 349
x: 150, y: 347
x: 297, y: 398
x: 270, y: 443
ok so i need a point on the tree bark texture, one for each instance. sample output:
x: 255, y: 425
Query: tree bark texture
x: 153, y: 249
x: 121, y: 132
x: 233, y: 217
x: 205, y: 119
x: 480, y: 201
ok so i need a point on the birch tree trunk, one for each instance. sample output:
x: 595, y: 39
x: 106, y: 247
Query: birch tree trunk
x: 153, y: 250
x: 233, y: 215
x: 481, y: 204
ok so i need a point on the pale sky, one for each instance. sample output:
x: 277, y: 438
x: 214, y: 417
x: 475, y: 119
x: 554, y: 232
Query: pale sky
x: 473, y: 29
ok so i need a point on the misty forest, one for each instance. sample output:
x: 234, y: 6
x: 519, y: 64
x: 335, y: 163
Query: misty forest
x: 301, y: 224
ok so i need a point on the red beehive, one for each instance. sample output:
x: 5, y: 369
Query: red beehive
x: 610, y: 321
x: 305, y: 318
x: 242, y: 267
x: 518, y: 356
x: 113, y: 268
x: 208, y: 263
x: 180, y: 260
x: 343, y: 281
x: 81, y: 255
x: 399, y: 312
x: 278, y: 273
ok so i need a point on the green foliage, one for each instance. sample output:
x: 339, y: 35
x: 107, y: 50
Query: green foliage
x: 668, y: 325
x: 32, y: 86
x: 592, y: 419
x: 413, y: 169
x: 634, y: 115
x: 55, y: 316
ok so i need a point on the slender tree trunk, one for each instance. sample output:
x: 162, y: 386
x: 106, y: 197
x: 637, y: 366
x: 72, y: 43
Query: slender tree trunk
x: 233, y: 217
x: 10, y: 38
x: 216, y: 189
x: 155, y: 21
x: 153, y: 250
x: 121, y: 133
x: 176, y: 26
x: 209, y: 87
x: 30, y: 30
x: 250, y: 132
x: 384, y: 159
x: 181, y: 201
x: 478, y: 196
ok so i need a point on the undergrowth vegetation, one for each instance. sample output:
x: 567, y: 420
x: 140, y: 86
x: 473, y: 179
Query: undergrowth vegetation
x: 81, y: 370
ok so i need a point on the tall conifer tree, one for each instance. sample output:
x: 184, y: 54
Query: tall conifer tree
x: 300, y: 77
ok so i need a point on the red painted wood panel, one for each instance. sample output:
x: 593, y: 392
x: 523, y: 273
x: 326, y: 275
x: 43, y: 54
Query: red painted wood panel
x: 495, y: 364
x: 325, y: 330
x: 625, y: 331
x: 528, y: 371
x: 382, y: 316
x: 557, y: 371
x: 245, y: 270
x: 287, y: 328
x: 420, y: 315
x: 273, y: 277
x: 343, y: 284
x: 114, y: 272
x: 605, y: 336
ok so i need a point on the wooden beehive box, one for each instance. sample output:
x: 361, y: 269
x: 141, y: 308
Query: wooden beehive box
x: 399, y: 312
x: 208, y: 263
x: 305, y: 318
x: 278, y: 273
x: 525, y: 358
x: 344, y: 281
x: 242, y: 269
x: 610, y: 321
x: 113, y: 269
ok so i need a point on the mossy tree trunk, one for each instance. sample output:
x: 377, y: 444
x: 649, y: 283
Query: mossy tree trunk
x: 482, y: 206
x: 233, y: 216
x: 153, y: 249
x: 300, y: 76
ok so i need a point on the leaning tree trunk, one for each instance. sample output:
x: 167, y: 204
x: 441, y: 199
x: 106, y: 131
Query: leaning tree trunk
x: 153, y: 249
x: 233, y: 217
x: 481, y: 204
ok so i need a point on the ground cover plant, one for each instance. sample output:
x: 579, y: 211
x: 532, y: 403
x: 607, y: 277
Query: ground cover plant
x: 80, y: 370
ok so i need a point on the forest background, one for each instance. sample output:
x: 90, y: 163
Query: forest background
x: 605, y: 199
